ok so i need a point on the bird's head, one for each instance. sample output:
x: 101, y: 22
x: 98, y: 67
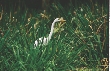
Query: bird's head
x: 59, y: 20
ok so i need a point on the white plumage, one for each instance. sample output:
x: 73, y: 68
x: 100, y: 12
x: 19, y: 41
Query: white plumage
x: 44, y: 40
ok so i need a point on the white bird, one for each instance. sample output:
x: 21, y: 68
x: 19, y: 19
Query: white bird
x: 44, y: 40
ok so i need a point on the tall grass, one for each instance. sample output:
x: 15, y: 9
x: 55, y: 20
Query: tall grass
x: 78, y: 44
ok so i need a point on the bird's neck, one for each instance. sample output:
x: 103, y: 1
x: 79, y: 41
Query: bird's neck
x: 51, y: 32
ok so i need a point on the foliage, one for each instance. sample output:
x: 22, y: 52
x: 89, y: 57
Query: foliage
x: 79, y: 43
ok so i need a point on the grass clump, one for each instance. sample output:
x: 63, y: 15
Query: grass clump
x: 78, y: 44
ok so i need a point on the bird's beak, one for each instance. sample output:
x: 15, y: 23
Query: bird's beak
x: 62, y: 20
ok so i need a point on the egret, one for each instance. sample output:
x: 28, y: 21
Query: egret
x: 44, y: 40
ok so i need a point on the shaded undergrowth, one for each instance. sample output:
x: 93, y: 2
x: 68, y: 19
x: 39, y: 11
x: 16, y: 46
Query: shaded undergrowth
x: 81, y: 43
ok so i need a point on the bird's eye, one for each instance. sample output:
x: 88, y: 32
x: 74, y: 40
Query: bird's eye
x: 58, y: 18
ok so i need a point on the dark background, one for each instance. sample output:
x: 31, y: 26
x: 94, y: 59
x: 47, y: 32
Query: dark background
x: 45, y: 4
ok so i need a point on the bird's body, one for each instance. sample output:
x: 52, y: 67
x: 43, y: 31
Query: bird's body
x: 44, y: 40
x: 41, y: 41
